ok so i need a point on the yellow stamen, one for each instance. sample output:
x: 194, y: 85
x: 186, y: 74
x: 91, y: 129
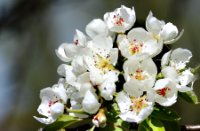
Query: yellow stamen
x: 138, y: 104
x: 104, y: 64
x: 135, y: 48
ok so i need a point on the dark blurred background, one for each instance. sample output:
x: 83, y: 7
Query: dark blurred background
x: 31, y: 30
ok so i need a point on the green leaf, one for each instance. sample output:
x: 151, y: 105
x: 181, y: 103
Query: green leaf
x: 144, y: 126
x: 163, y: 113
x: 151, y: 124
x: 62, y: 122
x: 156, y: 125
x: 189, y: 96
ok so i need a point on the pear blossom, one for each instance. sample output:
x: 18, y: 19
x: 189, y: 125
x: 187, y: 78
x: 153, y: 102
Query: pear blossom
x: 174, y: 67
x: 101, y: 64
x: 69, y: 51
x: 141, y: 72
x: 133, y: 109
x: 165, y: 32
x: 52, y: 105
x: 121, y: 19
x: 177, y: 58
x: 91, y: 72
x: 138, y: 42
x: 165, y: 92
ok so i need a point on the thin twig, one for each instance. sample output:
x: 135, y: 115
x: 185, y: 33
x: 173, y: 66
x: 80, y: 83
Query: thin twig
x: 190, y: 128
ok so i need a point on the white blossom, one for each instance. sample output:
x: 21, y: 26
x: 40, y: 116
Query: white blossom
x: 141, y: 72
x: 165, y: 32
x: 52, y: 103
x: 165, y: 92
x: 133, y: 109
x: 174, y: 67
x: 121, y: 19
x: 138, y: 42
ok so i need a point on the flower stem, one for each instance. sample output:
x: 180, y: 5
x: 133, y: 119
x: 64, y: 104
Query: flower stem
x: 78, y: 111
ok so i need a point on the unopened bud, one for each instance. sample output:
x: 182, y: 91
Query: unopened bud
x: 99, y: 120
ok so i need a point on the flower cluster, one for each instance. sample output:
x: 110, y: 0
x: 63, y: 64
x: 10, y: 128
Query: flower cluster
x: 90, y: 77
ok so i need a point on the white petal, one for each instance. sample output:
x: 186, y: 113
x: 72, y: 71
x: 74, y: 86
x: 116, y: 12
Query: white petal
x: 96, y: 77
x: 113, y: 56
x: 139, y: 34
x: 180, y: 55
x: 165, y: 59
x: 123, y: 45
x: 107, y: 90
x: 78, y: 65
x: 83, y: 78
x: 56, y: 110
x: 69, y: 75
x: 168, y: 32
x: 96, y: 27
x: 175, y: 39
x: 186, y: 77
x: 153, y: 24
x: 123, y: 101
x: 80, y: 39
x: 171, y: 73
x: 102, y: 45
x: 183, y: 88
x: 166, y: 101
x: 46, y: 121
x: 66, y: 52
x: 134, y: 88
x: 90, y: 103
x: 60, y: 92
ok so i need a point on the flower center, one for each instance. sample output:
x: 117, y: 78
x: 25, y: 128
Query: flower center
x: 118, y: 20
x: 135, y: 47
x: 138, y: 104
x: 139, y: 74
x: 157, y: 37
x: 163, y: 91
x: 104, y: 64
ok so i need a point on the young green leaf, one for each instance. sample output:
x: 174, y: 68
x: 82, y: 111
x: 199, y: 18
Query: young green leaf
x: 62, y: 122
x: 189, y: 96
x: 155, y: 124
x: 151, y: 124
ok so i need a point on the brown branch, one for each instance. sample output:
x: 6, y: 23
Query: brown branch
x: 190, y: 128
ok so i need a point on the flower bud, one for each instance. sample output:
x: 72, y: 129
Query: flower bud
x: 100, y: 119
x: 169, y: 32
